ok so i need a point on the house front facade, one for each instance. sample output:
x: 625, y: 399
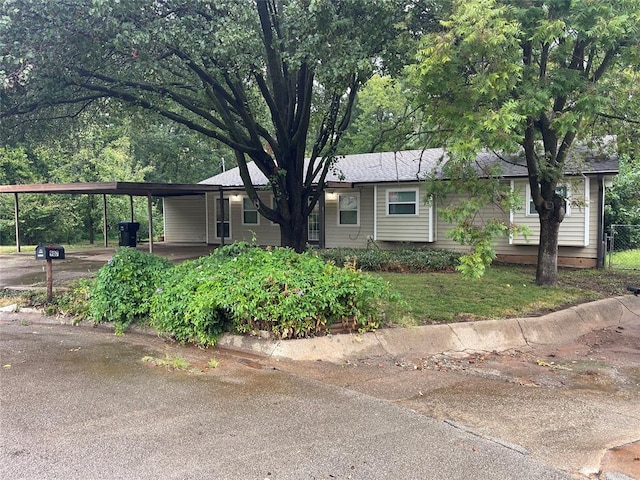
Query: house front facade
x: 381, y: 198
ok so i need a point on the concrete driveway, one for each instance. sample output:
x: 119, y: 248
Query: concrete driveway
x: 80, y: 403
x: 23, y: 271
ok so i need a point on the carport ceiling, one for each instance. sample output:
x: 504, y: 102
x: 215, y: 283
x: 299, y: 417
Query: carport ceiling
x: 117, y: 188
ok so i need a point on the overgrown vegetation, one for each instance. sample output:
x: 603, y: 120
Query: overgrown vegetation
x: 123, y: 288
x: 245, y: 289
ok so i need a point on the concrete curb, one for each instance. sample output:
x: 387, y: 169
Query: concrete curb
x: 490, y: 335
x: 482, y: 336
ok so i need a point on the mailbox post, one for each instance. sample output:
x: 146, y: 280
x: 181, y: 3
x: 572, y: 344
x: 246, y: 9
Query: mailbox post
x: 49, y: 253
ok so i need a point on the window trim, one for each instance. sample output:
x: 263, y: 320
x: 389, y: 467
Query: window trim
x: 255, y: 209
x: 216, y: 220
x: 357, y: 210
x: 316, y: 212
x: 529, y: 200
x: 415, y: 202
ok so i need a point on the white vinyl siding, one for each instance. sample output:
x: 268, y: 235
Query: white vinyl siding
x: 486, y: 213
x: 185, y: 219
x: 574, y: 230
x: 337, y: 235
x: 584, y: 236
x: 402, y: 215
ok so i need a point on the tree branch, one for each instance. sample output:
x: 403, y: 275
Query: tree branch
x: 618, y: 117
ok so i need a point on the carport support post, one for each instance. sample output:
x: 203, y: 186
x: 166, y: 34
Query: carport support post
x: 150, y: 217
x: 104, y: 220
x: 16, y: 216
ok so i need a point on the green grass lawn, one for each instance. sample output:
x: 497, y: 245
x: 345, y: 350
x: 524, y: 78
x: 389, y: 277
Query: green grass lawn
x: 625, y: 259
x: 30, y: 249
x: 504, y: 291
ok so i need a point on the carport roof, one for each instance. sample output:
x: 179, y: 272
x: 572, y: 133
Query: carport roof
x: 117, y: 188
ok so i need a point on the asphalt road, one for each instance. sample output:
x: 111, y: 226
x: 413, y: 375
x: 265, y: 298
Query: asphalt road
x: 80, y: 403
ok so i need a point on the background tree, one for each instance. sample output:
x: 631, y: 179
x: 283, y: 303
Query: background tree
x: 384, y: 120
x: 247, y: 74
x: 622, y: 115
x: 526, y: 78
x: 623, y: 204
x: 95, y: 153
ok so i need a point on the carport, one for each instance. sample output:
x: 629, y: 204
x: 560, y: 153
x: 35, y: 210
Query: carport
x: 137, y: 189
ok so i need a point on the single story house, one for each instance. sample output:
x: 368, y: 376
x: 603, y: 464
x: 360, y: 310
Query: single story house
x: 380, y: 197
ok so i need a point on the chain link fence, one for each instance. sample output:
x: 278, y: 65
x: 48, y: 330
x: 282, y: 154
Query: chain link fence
x: 623, y: 247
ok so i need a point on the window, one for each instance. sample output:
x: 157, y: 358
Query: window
x: 250, y: 214
x: 562, y: 190
x: 222, y: 220
x: 313, y: 225
x: 348, y: 209
x: 402, y: 202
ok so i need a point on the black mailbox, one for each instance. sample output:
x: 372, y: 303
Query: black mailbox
x: 50, y: 252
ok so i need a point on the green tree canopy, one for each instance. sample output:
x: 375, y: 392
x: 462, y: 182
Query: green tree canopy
x: 95, y: 152
x: 528, y: 78
x: 384, y: 119
x: 248, y: 74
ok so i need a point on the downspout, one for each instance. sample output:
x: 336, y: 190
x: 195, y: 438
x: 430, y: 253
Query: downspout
x: 221, y: 220
x: 321, y: 213
x: 601, y: 241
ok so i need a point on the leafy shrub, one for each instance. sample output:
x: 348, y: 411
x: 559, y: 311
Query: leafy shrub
x: 187, y: 305
x: 405, y: 260
x: 122, y: 288
x: 247, y: 288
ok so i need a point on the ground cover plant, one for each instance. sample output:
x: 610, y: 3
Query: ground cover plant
x: 244, y: 289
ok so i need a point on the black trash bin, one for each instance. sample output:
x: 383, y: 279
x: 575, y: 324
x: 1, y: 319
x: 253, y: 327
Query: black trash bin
x: 127, y: 233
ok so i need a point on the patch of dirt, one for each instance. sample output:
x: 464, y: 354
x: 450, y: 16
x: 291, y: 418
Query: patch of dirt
x: 624, y: 459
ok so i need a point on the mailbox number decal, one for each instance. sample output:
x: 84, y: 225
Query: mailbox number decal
x: 54, y: 253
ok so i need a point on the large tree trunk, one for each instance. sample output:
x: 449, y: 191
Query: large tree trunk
x: 550, y: 220
x: 294, y: 235
x: 547, y: 270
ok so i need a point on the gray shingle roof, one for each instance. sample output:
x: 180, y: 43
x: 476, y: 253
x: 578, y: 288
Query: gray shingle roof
x: 413, y: 165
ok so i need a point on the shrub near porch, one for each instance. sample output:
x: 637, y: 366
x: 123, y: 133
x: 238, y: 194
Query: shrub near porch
x: 245, y: 288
